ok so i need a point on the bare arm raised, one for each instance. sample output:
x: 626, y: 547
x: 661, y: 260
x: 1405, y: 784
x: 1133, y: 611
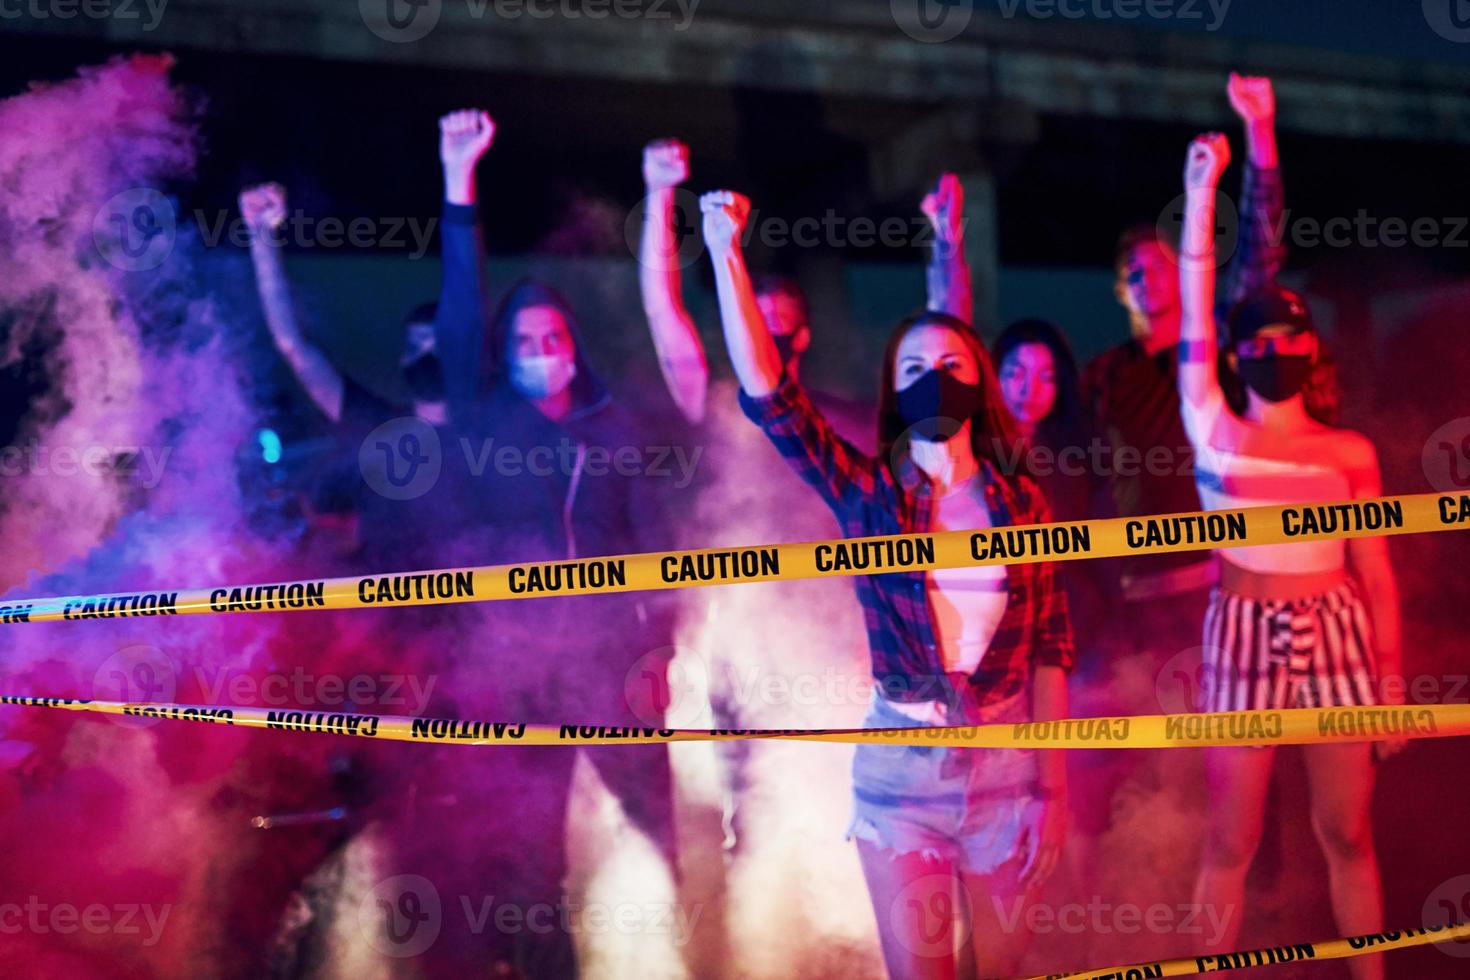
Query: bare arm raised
x: 752, y: 351
x: 681, y: 356
x: 1254, y: 101
x: 264, y: 209
x: 1199, y: 384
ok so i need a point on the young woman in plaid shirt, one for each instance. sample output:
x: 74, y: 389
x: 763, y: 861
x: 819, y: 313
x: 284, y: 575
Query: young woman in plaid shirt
x: 949, y: 647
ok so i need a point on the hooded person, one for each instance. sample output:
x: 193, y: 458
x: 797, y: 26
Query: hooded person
x: 553, y: 481
x: 538, y: 394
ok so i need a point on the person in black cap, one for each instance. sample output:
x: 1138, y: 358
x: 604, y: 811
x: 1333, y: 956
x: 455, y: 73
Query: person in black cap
x: 1304, y: 624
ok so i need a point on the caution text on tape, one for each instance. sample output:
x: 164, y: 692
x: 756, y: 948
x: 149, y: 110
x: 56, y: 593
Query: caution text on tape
x: 1332, y: 949
x: 899, y: 553
x: 1290, y: 726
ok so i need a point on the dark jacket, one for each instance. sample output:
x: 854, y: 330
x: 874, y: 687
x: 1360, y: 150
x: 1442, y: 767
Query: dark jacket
x: 554, y: 489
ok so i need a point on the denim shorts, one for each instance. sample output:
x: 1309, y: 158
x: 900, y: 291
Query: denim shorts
x: 965, y: 804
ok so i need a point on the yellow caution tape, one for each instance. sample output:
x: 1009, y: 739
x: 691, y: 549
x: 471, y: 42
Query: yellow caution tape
x: 1291, y: 726
x: 1062, y: 541
x: 1332, y: 949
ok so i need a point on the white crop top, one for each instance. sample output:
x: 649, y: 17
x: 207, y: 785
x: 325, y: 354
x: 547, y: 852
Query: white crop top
x: 1228, y: 480
x: 968, y: 603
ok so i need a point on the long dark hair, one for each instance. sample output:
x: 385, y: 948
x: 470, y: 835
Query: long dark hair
x: 991, y: 427
x: 587, y: 387
x: 1066, y: 423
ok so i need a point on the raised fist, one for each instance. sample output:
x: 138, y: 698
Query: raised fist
x: 1205, y: 162
x: 1251, y: 97
x: 944, y: 206
x: 665, y: 164
x: 725, y: 214
x: 464, y: 136
x: 263, y: 207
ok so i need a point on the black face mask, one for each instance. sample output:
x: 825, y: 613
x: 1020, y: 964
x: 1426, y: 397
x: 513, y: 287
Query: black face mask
x: 1277, y: 377
x: 937, y: 405
x: 425, y: 378
x: 785, y: 347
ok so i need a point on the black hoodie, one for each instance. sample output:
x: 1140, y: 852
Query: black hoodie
x: 555, y: 489
x: 544, y: 490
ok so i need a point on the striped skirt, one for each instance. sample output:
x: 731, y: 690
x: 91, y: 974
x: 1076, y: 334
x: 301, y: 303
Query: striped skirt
x: 1315, y: 652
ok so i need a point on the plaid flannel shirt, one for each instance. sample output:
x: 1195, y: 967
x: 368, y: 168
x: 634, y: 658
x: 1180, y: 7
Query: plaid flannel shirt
x: 869, y: 500
x: 1260, y: 250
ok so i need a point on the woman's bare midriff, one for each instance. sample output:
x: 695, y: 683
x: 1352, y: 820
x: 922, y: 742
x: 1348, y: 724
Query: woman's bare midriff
x: 1264, y: 586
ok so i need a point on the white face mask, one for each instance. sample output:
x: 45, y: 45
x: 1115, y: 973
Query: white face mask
x: 542, y: 375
